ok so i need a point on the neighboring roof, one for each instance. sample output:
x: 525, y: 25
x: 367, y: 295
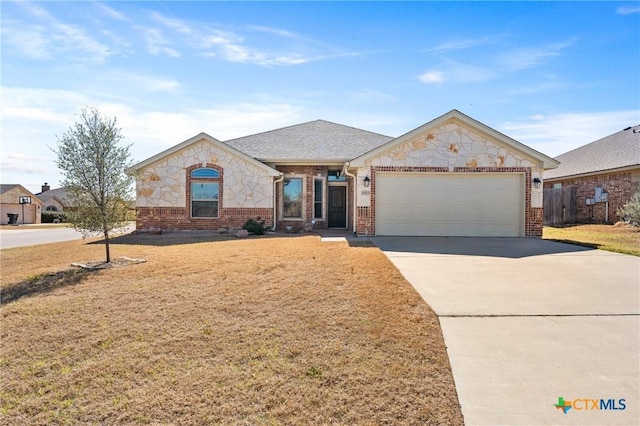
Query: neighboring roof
x: 8, y: 187
x: 61, y: 194
x: 619, y: 150
x: 314, y: 141
x: 197, y: 138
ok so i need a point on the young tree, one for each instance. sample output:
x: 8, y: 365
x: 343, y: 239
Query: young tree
x: 92, y: 165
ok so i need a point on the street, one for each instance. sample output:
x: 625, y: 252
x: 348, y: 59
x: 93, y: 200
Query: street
x: 23, y: 236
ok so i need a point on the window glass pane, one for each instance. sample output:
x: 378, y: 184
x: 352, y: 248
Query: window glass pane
x: 205, y: 173
x: 204, y: 209
x: 204, y: 191
x: 292, y: 198
x: 317, y: 198
x: 334, y: 176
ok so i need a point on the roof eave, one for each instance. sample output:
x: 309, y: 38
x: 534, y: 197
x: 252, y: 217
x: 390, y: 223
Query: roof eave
x: 593, y: 173
x: 179, y: 147
x: 545, y: 161
x: 305, y: 161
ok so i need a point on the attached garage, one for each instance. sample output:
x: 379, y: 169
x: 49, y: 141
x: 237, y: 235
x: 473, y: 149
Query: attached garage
x: 450, y: 204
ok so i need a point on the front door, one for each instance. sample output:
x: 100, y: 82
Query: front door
x: 337, y: 207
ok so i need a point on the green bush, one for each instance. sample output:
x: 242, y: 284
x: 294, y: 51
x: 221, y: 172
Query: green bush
x: 50, y: 217
x: 255, y: 227
x: 630, y: 212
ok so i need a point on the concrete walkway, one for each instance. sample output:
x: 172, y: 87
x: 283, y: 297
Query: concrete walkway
x: 527, y: 321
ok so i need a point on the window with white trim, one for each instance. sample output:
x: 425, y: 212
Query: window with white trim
x: 292, y: 198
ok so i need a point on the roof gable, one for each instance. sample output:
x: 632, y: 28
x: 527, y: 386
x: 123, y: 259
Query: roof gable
x: 196, y: 139
x: 62, y: 195
x: 619, y: 150
x: 457, y: 117
x: 317, y: 140
x: 11, y: 193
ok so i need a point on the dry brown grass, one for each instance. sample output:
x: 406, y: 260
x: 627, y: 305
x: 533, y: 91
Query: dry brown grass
x: 258, y: 331
x: 621, y: 238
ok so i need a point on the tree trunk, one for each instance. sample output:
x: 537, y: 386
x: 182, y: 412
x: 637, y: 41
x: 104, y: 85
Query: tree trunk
x: 106, y: 246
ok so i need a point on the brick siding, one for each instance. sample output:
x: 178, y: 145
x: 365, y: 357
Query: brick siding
x: 178, y: 218
x: 309, y: 173
x: 618, y: 185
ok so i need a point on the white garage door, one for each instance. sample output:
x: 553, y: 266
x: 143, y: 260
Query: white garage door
x: 450, y: 204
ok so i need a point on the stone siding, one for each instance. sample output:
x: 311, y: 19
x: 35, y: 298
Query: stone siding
x: 164, y: 184
x: 452, y: 147
x: 164, y: 190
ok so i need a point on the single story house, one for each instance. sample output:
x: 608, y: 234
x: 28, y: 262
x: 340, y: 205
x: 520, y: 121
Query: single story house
x: 452, y: 176
x: 17, y: 200
x: 605, y: 173
x: 55, y: 200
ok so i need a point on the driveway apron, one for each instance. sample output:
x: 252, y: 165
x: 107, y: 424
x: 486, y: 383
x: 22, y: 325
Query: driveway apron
x: 531, y: 325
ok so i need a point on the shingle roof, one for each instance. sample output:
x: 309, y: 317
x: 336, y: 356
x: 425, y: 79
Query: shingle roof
x: 5, y: 187
x: 60, y: 193
x: 621, y: 149
x: 315, y: 140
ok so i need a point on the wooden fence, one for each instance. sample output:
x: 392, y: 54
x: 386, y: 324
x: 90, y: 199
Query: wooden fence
x: 559, y: 205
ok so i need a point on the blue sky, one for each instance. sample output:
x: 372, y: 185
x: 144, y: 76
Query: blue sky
x: 553, y: 75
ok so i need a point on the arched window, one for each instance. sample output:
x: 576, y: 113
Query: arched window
x: 51, y: 209
x: 205, y: 192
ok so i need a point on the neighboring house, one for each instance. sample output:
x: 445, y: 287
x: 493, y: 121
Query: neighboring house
x: 55, y: 200
x: 605, y: 170
x: 10, y: 197
x: 453, y: 176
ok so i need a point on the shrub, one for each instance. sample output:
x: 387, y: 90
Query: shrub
x: 52, y: 217
x: 630, y: 212
x: 255, y: 227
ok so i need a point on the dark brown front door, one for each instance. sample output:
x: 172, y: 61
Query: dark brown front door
x: 337, y: 207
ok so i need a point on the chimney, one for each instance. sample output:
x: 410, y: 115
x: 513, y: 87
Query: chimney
x: 45, y: 187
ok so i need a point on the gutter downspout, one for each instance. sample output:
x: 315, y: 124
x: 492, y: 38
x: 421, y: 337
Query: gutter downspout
x: 355, y: 193
x: 275, y: 204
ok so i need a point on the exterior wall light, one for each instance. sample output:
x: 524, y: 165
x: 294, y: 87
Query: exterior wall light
x: 366, y: 181
x: 536, y: 182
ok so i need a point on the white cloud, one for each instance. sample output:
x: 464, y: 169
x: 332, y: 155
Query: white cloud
x: 157, y: 44
x: 174, y: 24
x: 432, y: 76
x: 530, y: 57
x: 34, y: 118
x: 555, y: 134
x: 146, y: 82
x: 452, y: 45
x: 23, y: 163
x: 628, y: 10
x: 456, y: 72
x: 111, y: 12
x: 51, y: 38
x: 370, y: 96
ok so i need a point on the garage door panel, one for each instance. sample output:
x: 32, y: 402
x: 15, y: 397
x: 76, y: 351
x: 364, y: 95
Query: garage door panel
x: 425, y: 204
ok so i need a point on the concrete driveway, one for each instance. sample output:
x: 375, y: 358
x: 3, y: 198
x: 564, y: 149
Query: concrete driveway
x: 527, y: 321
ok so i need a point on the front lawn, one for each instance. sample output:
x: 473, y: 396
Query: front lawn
x: 620, y: 237
x: 257, y: 331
